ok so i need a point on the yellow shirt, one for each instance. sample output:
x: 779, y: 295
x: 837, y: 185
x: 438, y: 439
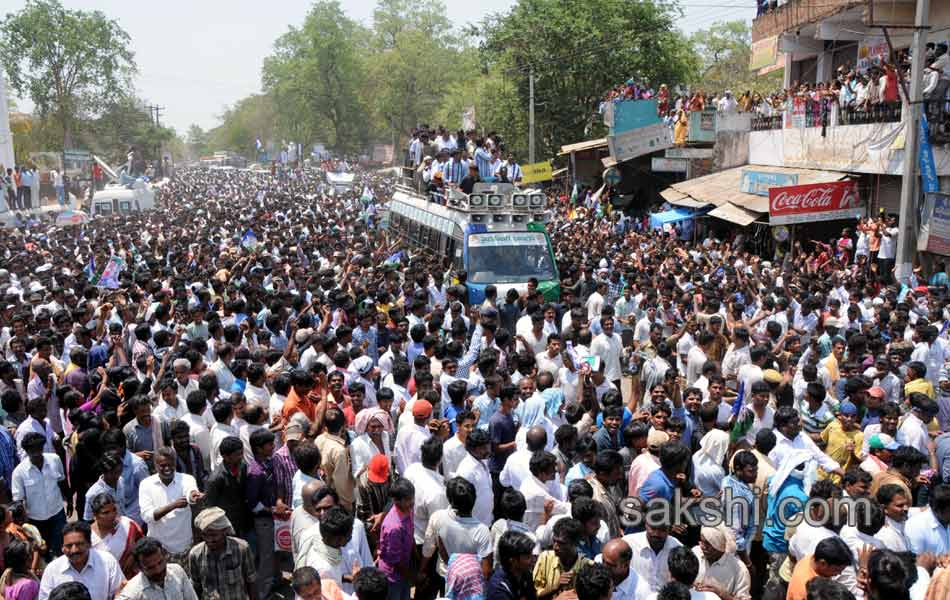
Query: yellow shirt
x: 547, y: 572
x: 837, y: 440
x: 919, y: 385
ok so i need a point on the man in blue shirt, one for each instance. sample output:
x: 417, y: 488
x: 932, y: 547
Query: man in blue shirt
x: 502, y: 429
x: 929, y: 531
x: 786, y: 492
x: 662, y: 483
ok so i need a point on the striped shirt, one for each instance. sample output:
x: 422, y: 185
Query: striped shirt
x: 815, y: 422
x: 484, y: 162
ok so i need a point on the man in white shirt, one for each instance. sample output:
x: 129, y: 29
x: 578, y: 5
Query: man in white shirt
x: 429, y: 486
x: 651, y: 554
x: 540, y: 487
x: 157, y: 576
x: 39, y: 481
x: 409, y: 439
x: 517, y: 467
x: 223, y: 413
x: 97, y: 570
x: 595, y: 302
x: 36, y: 422
x: 617, y: 556
x: 474, y: 468
x: 698, y: 356
x: 165, y: 500
x: 789, y: 438
x: 913, y: 431
x: 453, y: 451
x: 608, y: 347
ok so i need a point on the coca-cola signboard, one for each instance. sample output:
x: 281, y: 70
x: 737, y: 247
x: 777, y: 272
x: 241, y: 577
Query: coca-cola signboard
x: 814, y: 202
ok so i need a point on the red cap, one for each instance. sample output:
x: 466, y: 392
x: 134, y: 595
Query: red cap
x: 378, y: 470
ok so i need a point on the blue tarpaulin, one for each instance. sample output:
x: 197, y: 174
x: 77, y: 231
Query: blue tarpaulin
x: 683, y: 216
x: 658, y: 220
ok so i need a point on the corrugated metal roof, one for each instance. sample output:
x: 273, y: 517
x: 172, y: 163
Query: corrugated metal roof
x: 581, y: 146
x: 734, y: 214
x: 723, y: 187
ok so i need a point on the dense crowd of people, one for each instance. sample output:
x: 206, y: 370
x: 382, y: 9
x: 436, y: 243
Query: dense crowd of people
x: 274, y: 383
x: 870, y: 94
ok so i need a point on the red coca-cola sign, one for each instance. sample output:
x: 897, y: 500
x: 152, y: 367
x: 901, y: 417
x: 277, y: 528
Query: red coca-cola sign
x: 814, y: 202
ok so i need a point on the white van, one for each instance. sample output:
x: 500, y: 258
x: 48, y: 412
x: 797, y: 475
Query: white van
x: 116, y: 199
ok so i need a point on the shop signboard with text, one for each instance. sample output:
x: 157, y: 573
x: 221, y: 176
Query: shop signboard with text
x: 814, y: 202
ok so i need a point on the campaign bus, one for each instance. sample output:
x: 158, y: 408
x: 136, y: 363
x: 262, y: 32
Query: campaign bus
x: 497, y: 235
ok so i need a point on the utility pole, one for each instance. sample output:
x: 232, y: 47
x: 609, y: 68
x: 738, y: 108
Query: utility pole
x: 907, y: 238
x: 531, y: 115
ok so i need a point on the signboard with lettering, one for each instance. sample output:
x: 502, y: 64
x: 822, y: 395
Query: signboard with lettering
x: 759, y: 182
x: 764, y: 53
x: 938, y: 240
x: 633, y: 114
x: 529, y: 238
x: 536, y: 172
x: 689, y: 153
x: 814, y: 202
x: 669, y: 165
x: 638, y: 142
x: 871, y: 51
x: 702, y: 126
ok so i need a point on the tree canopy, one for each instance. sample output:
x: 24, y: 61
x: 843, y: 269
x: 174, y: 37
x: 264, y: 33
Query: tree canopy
x: 725, y: 49
x: 72, y: 64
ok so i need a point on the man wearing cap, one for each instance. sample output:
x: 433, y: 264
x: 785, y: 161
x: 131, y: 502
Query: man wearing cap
x: 646, y: 462
x: 409, y: 439
x: 843, y: 438
x: 880, y: 451
x: 913, y: 430
x: 221, y: 566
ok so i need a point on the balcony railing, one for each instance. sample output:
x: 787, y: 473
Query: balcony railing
x: 938, y: 118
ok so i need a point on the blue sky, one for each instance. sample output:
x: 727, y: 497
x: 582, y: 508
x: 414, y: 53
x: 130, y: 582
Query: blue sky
x: 197, y: 56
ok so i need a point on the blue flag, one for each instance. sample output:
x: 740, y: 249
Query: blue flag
x: 249, y: 241
x: 737, y: 404
x: 90, y: 269
x: 394, y: 258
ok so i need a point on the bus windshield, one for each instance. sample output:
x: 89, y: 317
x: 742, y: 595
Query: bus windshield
x: 509, y: 257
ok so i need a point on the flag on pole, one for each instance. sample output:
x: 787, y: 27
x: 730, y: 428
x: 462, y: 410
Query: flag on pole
x: 90, y: 269
x: 744, y: 418
x: 249, y: 241
x: 258, y: 144
x: 574, y: 194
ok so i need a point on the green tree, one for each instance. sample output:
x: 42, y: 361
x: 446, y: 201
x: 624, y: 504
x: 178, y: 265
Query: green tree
x: 196, y: 141
x: 69, y: 62
x: 725, y: 49
x: 242, y: 124
x: 417, y: 65
x: 578, y: 49
x: 317, y: 70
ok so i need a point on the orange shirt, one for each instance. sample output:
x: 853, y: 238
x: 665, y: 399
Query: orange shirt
x: 803, y: 573
x: 294, y: 404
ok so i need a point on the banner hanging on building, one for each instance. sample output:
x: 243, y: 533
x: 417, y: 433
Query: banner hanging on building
x: 764, y: 53
x: 536, y: 172
x: 814, y: 202
x: 638, y: 142
x: 928, y: 169
x: 934, y: 235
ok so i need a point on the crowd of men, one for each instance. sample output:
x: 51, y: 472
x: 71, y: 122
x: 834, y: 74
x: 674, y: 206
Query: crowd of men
x: 273, y: 384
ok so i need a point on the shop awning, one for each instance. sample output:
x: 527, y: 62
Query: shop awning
x: 581, y: 146
x: 658, y: 220
x: 734, y: 214
x: 724, y: 188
